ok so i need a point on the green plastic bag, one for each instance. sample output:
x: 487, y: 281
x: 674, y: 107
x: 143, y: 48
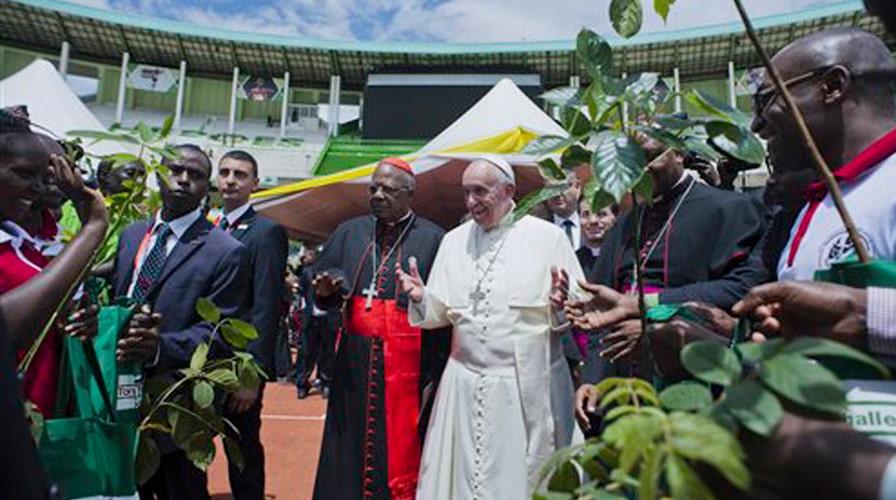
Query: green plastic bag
x: 871, y: 402
x: 92, y: 454
x: 857, y: 275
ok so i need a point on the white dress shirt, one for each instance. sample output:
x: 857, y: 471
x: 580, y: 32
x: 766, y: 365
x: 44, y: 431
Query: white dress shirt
x: 178, y: 227
x: 576, y: 227
x: 234, y: 215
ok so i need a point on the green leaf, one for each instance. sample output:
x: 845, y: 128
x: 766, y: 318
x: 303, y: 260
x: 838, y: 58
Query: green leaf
x: 144, y: 132
x: 248, y: 375
x: 199, y: 357
x: 644, y: 188
x: 564, y: 96
x: 606, y: 495
x: 200, y: 450
x: 103, y: 136
x: 650, y: 472
x: 818, y: 347
x: 538, y: 196
x: 234, y: 453
x: 546, y: 144
x: 671, y: 122
x: 564, y: 479
x: 642, y: 85
x: 203, y: 394
x: 550, y: 170
x: 716, y: 108
x: 701, y: 148
x: 246, y: 329
x: 683, y: 481
x: 686, y: 396
x: 619, y: 395
x: 736, y: 141
x: 607, y: 384
x: 666, y: 138
x: 207, y: 310
x: 225, y: 378
x: 804, y: 382
x: 662, y: 8
x: 619, y: 431
x: 754, y: 406
x: 594, y: 52
x: 699, y: 438
x: 575, y: 122
x: 618, y: 162
x: 148, y: 458
x: 626, y: 17
x: 166, y: 128
x: 711, y: 362
x: 574, y: 156
x: 233, y: 336
x: 754, y: 352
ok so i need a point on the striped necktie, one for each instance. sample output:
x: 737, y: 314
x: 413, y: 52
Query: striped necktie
x: 152, y: 264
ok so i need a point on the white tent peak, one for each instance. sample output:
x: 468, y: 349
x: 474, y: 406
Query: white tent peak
x: 51, y: 102
x: 503, y: 108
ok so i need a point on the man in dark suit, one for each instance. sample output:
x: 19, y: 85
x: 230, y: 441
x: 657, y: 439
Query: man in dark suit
x: 168, y: 262
x: 266, y: 244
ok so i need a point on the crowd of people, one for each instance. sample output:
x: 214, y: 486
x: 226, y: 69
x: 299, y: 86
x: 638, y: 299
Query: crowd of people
x: 456, y: 363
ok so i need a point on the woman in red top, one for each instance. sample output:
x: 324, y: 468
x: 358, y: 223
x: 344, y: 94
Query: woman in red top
x: 23, y: 163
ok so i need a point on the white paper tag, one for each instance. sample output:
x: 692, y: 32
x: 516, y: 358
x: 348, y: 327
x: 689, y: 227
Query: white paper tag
x: 130, y: 392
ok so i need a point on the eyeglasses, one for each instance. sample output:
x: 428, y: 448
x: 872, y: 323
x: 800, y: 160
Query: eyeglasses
x: 764, y: 98
x: 387, y: 190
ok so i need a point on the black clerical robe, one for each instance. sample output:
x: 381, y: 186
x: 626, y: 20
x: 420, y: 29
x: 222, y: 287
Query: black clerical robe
x: 705, y: 253
x: 385, y: 371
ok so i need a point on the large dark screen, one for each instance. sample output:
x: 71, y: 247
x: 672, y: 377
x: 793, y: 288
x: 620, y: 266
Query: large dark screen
x: 420, y: 110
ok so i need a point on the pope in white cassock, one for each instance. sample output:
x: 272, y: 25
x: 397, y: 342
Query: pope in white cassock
x: 504, y: 403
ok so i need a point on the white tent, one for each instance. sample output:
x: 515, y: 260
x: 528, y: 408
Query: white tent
x: 51, y: 103
x: 502, y: 122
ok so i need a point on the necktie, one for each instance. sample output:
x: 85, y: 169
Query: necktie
x: 567, y: 226
x: 152, y: 264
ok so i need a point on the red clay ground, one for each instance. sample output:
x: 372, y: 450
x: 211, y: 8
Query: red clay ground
x: 290, y: 431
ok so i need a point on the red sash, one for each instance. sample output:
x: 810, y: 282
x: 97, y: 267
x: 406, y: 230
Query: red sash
x: 401, y: 362
x: 871, y: 157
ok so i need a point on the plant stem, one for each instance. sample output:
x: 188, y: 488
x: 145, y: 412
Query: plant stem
x: 820, y: 164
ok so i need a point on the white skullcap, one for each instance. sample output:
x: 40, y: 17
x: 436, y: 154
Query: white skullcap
x: 502, y: 164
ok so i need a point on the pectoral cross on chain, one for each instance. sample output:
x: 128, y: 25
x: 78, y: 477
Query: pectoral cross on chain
x: 370, y: 292
x: 476, y: 295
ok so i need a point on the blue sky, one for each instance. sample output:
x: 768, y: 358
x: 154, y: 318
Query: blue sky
x: 465, y: 21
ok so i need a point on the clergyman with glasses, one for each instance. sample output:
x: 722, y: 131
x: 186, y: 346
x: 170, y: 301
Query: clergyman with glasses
x: 385, y: 369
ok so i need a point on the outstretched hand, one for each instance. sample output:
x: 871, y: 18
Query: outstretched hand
x: 410, y: 282
x: 605, y: 308
x: 559, y: 287
x: 794, y: 308
x: 325, y: 285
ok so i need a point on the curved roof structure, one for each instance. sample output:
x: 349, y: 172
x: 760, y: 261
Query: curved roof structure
x: 102, y: 35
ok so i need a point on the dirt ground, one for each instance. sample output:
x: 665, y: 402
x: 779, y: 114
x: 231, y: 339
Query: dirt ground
x: 291, y: 431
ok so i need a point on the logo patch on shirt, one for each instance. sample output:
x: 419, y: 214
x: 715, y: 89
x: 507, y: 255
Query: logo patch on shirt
x: 839, y: 248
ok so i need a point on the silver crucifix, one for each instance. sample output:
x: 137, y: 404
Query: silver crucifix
x: 370, y: 292
x: 476, y: 295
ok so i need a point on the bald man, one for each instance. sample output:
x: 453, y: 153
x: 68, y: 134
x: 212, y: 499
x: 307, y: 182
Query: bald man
x: 505, y: 399
x: 842, y: 80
